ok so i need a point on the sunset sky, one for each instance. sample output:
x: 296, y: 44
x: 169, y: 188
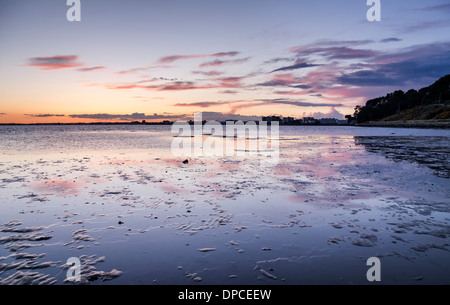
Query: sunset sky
x: 167, y: 59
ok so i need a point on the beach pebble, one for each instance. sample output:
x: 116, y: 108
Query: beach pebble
x: 267, y: 274
x: 336, y: 225
x: 206, y: 249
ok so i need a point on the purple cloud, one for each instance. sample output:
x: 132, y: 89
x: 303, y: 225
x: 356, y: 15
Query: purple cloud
x: 54, y: 62
x: 129, y: 117
x: 335, y: 50
x: 392, y: 39
x: 421, y: 63
x: 219, y: 62
x: 298, y: 103
x: 45, y: 115
x: 297, y: 65
x: 88, y: 69
x: 172, y: 58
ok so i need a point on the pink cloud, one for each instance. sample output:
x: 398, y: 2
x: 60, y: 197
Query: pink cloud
x: 231, y: 82
x: 236, y: 105
x: 332, y: 113
x: 285, y: 80
x: 54, y: 62
x: 174, y: 85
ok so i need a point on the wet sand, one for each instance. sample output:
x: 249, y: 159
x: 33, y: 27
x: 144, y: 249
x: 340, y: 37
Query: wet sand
x: 134, y: 214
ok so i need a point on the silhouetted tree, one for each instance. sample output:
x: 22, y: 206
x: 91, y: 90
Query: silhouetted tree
x: 398, y: 101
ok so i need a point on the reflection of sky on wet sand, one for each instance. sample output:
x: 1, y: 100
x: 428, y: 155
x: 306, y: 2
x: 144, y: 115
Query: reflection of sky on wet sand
x: 331, y: 202
x: 432, y: 152
x: 57, y: 187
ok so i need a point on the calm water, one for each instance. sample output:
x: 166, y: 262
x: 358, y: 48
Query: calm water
x: 116, y: 198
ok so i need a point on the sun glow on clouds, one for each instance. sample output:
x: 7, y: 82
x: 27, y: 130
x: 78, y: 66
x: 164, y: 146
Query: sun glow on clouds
x: 54, y: 62
x: 317, y: 85
x: 178, y: 70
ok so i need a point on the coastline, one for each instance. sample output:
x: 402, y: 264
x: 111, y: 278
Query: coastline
x: 408, y: 124
x: 432, y: 124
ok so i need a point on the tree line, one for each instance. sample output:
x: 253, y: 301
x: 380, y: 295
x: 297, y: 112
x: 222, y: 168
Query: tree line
x: 399, y: 101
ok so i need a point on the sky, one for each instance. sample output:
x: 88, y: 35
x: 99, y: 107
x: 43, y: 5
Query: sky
x: 167, y: 59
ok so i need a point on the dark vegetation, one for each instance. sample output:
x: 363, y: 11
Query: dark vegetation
x: 429, y: 103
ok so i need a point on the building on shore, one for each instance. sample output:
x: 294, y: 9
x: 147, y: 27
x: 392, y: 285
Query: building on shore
x: 273, y: 118
x: 310, y: 121
x: 305, y: 121
x: 328, y: 121
x: 332, y: 121
x: 288, y: 120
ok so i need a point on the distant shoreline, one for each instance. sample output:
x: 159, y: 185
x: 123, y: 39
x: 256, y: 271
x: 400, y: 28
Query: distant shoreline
x: 389, y: 124
x: 408, y: 124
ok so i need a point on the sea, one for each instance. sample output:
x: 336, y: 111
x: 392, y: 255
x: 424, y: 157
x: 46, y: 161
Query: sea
x: 113, y: 204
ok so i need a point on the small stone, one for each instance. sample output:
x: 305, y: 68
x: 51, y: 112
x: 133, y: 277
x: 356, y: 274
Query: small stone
x: 206, y: 249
